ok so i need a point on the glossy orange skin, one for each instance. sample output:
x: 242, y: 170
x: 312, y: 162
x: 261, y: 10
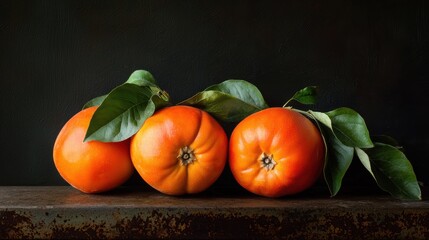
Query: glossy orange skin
x: 156, y: 146
x: 91, y: 167
x: 294, y: 142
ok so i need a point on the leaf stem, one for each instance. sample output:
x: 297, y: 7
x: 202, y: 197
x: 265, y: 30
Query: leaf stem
x: 304, y: 113
x: 284, y: 105
x: 164, y: 95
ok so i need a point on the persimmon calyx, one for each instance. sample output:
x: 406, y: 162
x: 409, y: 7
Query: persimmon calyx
x: 186, y: 156
x: 267, y: 162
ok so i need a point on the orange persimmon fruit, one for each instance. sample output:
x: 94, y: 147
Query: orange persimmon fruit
x: 91, y: 167
x: 180, y: 150
x: 276, y: 152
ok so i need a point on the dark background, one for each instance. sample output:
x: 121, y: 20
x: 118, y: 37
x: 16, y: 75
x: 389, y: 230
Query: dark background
x: 371, y: 56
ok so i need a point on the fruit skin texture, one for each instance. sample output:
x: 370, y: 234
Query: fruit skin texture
x: 171, y: 137
x: 294, y: 143
x: 91, y: 167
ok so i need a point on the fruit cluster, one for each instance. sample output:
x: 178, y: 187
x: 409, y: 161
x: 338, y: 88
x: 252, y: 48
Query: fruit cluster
x: 182, y: 149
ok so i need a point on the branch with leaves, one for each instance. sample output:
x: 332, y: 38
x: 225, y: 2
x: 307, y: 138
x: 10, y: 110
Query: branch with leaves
x: 123, y: 111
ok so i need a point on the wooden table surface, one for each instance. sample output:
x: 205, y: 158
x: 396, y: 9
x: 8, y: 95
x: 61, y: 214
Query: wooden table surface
x: 130, y: 212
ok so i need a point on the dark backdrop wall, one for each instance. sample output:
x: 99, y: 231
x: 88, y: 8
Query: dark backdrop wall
x: 372, y: 56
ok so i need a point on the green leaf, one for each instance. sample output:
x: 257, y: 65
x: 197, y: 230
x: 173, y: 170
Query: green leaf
x: 307, y: 95
x: 138, y: 77
x: 242, y: 90
x: 322, y: 117
x: 122, y: 113
x: 386, y: 140
x: 338, y: 162
x: 350, y: 128
x: 339, y: 156
x: 142, y: 78
x: 94, y: 102
x: 391, y: 170
x: 364, y: 159
x: 231, y: 100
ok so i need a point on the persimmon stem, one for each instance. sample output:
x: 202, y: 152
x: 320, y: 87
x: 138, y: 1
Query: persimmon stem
x: 267, y: 162
x: 186, y: 156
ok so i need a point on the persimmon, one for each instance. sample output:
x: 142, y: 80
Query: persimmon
x: 180, y: 150
x: 91, y: 167
x: 276, y: 152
